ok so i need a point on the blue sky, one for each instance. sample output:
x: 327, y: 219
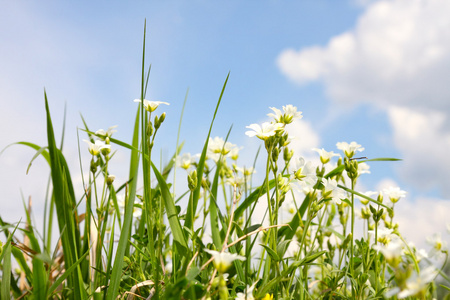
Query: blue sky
x: 368, y: 71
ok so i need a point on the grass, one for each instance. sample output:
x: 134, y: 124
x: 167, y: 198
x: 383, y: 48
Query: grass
x: 230, y: 241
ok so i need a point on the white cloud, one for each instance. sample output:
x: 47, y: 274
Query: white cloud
x: 305, y: 138
x: 422, y: 217
x: 397, y: 57
x: 424, y: 142
x: 398, y: 52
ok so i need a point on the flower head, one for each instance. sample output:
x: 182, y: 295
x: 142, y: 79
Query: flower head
x: 248, y: 295
x: 223, y: 260
x: 325, y: 156
x: 246, y: 171
x: 151, y: 106
x: 234, y: 153
x: 394, y: 193
x: 218, y: 146
x: 384, y: 235
x: 363, y: 168
x: 185, y: 161
x: 349, y: 149
x: 417, y: 284
x: 369, y: 194
x: 264, y: 131
x: 137, y: 211
x: 108, y: 133
x: 305, y: 171
x: 392, y: 252
x: 96, y: 148
x: 289, y: 114
x: 268, y: 297
x: 437, y: 243
x: 332, y: 191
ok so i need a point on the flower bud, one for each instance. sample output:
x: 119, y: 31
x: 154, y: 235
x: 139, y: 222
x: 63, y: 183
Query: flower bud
x: 149, y: 129
x: 287, y: 154
x: 93, y: 166
x: 110, y: 179
x: 192, y: 180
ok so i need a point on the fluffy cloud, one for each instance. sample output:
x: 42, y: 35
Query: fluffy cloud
x: 398, y: 52
x: 397, y: 57
x: 424, y: 140
x: 305, y: 138
x: 421, y: 218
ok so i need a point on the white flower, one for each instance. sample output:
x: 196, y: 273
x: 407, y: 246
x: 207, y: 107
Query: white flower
x: 384, y: 235
x: 421, y: 254
x: 306, y: 189
x: 417, y: 283
x: 349, y: 149
x: 332, y: 191
x: 107, y: 133
x: 363, y: 168
x: 185, y: 161
x: 289, y: 114
x: 95, y: 149
x: 305, y: 171
x: 264, y: 131
x: 369, y: 194
x: 234, y: 153
x: 325, y: 156
x: 394, y: 193
x: 151, y: 106
x: 223, y: 260
x: 235, y: 181
x: 219, y: 146
x: 392, y: 252
x: 137, y: 212
x: 289, y: 206
x: 246, y: 171
x: 437, y: 243
x: 248, y: 295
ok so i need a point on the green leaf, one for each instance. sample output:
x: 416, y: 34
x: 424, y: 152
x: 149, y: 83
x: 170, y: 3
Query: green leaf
x: 192, y: 273
x: 63, y: 276
x: 64, y: 198
x: 128, y: 218
x: 272, y: 253
x: 6, y: 272
x: 172, y: 215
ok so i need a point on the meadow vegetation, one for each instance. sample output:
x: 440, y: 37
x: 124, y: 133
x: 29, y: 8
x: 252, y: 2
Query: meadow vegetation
x: 135, y: 239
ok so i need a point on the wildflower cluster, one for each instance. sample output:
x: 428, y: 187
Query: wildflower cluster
x: 292, y: 235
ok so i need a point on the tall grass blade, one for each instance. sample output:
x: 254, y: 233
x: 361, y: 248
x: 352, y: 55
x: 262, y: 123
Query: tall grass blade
x: 66, y: 209
x: 128, y: 218
x: 171, y: 210
x: 6, y: 272
x: 192, y: 205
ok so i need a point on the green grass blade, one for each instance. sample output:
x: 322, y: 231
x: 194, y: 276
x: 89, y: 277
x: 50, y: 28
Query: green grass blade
x: 41, y: 150
x: 254, y: 196
x: 289, y: 231
x: 214, y: 210
x: 192, y: 205
x: 6, y: 272
x: 178, y: 138
x: 339, y: 169
x: 64, y: 276
x: 128, y: 218
x: 40, y: 279
x: 363, y: 196
x: 66, y: 209
x: 171, y: 210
